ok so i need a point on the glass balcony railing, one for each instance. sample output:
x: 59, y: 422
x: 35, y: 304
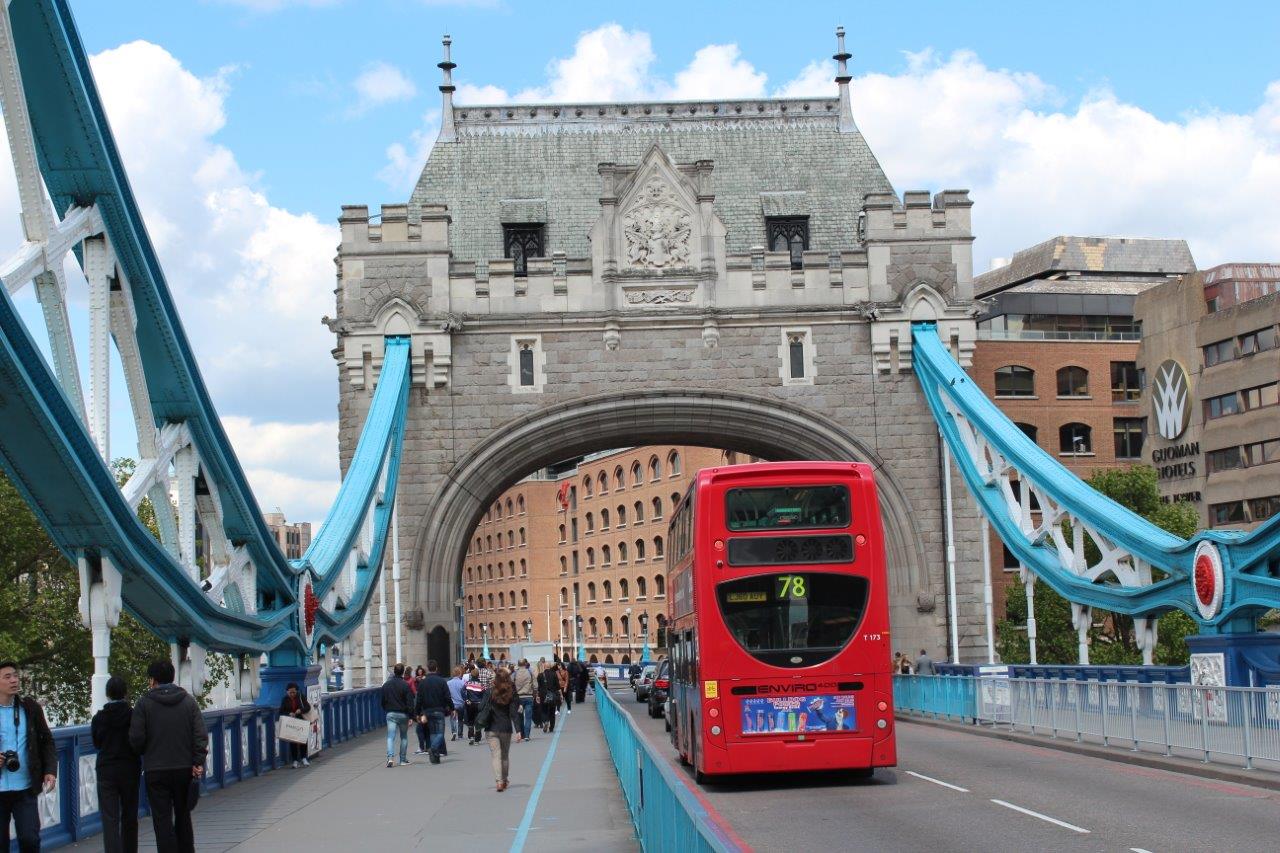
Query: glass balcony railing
x: 1039, y: 335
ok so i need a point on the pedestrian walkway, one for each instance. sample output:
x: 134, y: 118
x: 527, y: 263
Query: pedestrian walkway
x: 564, y: 796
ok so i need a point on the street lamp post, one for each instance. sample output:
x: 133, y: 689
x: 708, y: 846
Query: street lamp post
x: 627, y: 618
x: 528, y: 630
x: 484, y: 631
x: 578, y: 638
x: 560, y: 645
x: 644, y: 636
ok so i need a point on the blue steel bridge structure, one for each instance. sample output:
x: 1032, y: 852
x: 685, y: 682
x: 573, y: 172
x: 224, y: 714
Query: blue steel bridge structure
x: 249, y: 600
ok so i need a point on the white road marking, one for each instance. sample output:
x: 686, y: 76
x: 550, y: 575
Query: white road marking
x: 1139, y: 850
x: 1044, y: 817
x: 937, y: 781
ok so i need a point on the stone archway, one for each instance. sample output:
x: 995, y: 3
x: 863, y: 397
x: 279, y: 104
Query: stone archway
x: 747, y: 423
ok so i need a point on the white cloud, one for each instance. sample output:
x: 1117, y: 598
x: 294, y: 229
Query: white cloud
x: 291, y: 466
x: 251, y: 279
x: 378, y: 84
x: 405, y: 161
x: 718, y: 71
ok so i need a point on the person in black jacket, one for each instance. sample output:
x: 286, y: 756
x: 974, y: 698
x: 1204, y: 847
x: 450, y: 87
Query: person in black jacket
x: 433, y: 704
x: 167, y: 730
x: 295, y: 705
x: 397, y: 702
x: 499, y: 718
x: 119, y: 770
x: 23, y: 731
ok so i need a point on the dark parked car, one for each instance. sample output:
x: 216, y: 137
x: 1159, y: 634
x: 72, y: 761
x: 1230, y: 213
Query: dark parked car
x: 659, y: 688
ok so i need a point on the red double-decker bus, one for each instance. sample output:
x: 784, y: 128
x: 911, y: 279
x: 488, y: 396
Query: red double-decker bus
x: 779, y: 621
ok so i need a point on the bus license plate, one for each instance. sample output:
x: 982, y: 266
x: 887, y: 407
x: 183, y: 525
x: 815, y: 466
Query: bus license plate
x: 824, y: 712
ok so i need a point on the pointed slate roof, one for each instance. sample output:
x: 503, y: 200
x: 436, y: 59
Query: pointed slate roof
x: 551, y: 152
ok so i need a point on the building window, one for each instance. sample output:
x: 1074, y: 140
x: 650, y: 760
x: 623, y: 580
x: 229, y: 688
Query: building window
x: 591, y: 593
x: 1220, y: 407
x: 608, y: 626
x: 1263, y: 508
x: 1128, y: 434
x: 1028, y: 430
x: 1073, y: 382
x: 524, y: 568
x: 1219, y: 351
x: 640, y: 587
x: 1015, y: 381
x: 1126, y: 382
x: 607, y: 586
x: 588, y: 489
x: 796, y: 354
x: 639, y: 550
x: 657, y: 546
x: 659, y: 586
x: 1262, y: 452
x: 573, y: 529
x: 622, y: 516
x: 564, y: 565
x: 603, y: 480
x: 623, y: 587
x: 655, y: 469
x: 657, y: 509
x: 619, y: 482
x: 528, y: 365
x: 591, y: 522
x: 1231, y: 512
x: 789, y: 234
x: 606, y: 555
x: 520, y: 243
x: 604, y: 519
x: 1261, y: 397
x: 591, y: 558
x: 575, y: 562
x: 622, y: 553
x: 1075, y: 439
x: 1226, y: 459
x: 638, y: 510
x: 1259, y: 341
x: 637, y: 477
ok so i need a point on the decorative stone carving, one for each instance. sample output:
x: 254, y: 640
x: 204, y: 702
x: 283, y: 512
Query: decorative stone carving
x: 413, y: 620
x: 612, y: 334
x: 659, y: 297
x: 657, y: 229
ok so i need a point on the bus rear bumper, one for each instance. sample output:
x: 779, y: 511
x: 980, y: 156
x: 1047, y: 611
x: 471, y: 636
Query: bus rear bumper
x: 794, y: 755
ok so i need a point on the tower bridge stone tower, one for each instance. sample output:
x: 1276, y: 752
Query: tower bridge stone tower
x: 737, y: 274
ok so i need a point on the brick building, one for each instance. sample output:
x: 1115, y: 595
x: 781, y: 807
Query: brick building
x: 1057, y: 351
x: 535, y: 562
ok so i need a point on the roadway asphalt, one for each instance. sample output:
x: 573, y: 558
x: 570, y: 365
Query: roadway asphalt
x: 956, y: 791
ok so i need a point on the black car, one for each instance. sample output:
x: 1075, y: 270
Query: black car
x: 659, y: 688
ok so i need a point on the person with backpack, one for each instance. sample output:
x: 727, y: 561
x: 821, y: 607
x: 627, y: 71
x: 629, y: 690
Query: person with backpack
x: 498, y: 718
x: 119, y: 770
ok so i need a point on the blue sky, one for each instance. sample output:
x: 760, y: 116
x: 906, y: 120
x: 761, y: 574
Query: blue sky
x: 246, y: 124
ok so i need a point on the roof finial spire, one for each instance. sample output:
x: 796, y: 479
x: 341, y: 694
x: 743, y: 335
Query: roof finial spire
x: 448, y: 133
x: 842, y: 57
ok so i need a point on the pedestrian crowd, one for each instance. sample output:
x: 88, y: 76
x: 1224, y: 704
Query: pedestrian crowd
x: 495, y: 702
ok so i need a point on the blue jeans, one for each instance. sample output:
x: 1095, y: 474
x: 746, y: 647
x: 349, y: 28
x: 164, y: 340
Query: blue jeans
x: 435, y: 731
x: 526, y: 716
x: 459, y: 719
x: 397, y: 726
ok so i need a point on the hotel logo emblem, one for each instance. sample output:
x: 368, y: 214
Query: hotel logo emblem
x: 1170, y: 399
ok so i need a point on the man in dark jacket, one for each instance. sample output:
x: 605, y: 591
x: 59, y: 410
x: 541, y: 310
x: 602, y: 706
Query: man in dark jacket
x: 168, y: 732
x: 397, y: 702
x: 433, y: 704
x: 119, y: 770
x: 25, y: 733
x: 578, y: 681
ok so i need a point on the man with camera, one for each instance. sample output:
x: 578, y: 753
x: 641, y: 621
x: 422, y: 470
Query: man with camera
x: 28, y: 761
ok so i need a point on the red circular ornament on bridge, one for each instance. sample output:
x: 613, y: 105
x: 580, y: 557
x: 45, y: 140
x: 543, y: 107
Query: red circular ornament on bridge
x: 310, y: 604
x: 1207, y: 580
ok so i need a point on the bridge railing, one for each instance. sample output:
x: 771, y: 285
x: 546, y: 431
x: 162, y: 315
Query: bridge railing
x: 1236, y: 725
x: 242, y: 745
x: 665, y: 812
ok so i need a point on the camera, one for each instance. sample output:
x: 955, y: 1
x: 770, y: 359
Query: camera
x: 9, y: 760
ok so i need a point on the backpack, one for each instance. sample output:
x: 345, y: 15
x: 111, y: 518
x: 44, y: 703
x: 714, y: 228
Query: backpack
x: 473, y: 693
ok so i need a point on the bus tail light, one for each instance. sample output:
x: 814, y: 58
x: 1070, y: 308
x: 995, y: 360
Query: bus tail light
x: 882, y: 705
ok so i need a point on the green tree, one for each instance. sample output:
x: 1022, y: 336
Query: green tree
x: 40, y: 624
x: 1112, y: 636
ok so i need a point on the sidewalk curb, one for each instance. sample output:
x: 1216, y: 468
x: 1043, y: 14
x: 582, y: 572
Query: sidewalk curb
x: 1252, y: 778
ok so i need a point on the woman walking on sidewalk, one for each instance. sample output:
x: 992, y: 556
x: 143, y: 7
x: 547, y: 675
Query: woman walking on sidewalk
x: 498, y: 719
x: 550, y: 687
x: 563, y: 674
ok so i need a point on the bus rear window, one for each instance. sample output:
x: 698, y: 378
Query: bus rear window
x: 787, y: 507
x: 793, y: 619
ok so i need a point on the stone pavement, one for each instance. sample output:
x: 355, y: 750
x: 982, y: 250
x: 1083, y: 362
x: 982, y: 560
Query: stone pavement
x: 349, y: 800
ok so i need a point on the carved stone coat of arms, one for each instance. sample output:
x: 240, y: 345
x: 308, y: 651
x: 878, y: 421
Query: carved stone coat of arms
x: 657, y: 229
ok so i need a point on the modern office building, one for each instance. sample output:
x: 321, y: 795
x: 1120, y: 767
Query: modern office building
x: 1211, y: 361
x: 293, y: 539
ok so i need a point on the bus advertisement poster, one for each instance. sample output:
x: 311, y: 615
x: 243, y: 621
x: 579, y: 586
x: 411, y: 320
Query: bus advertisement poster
x: 808, y: 713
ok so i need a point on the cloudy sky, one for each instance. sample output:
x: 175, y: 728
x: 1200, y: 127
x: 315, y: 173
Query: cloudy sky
x: 245, y: 124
